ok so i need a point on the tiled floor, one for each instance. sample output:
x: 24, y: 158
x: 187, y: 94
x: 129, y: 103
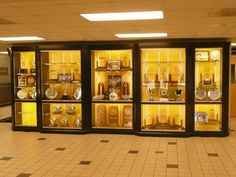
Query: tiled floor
x: 25, y: 154
x: 5, y: 112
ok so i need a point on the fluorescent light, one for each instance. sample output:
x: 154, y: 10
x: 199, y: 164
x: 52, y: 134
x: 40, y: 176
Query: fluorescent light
x: 124, y: 16
x: 141, y: 35
x: 23, y: 38
x: 233, y: 44
x: 6, y: 53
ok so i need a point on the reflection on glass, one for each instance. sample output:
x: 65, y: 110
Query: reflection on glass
x: 163, y: 117
x: 207, y: 117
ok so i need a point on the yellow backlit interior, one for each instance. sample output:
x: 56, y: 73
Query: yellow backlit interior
x: 61, y: 62
x: 104, y: 117
x: 165, y: 116
x: 125, y: 56
x: 214, y: 117
x: 26, y: 114
x: 208, y: 68
x: 50, y: 113
x: 161, y: 65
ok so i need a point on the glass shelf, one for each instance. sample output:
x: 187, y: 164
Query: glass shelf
x: 165, y: 62
x: 110, y: 70
x: 60, y: 83
x: 62, y: 101
x: 67, y: 63
x: 28, y: 74
x: 110, y: 101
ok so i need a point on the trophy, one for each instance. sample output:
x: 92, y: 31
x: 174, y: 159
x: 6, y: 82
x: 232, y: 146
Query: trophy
x: 151, y: 87
x: 178, y: 93
x: 64, y: 96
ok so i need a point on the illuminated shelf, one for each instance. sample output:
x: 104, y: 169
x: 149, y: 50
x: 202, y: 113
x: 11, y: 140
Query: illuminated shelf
x: 25, y: 100
x: 163, y: 102
x: 208, y: 102
x: 25, y: 86
x: 122, y: 128
x: 24, y: 74
x: 61, y: 101
x: 145, y: 84
x: 62, y: 128
x: 67, y: 63
x: 62, y: 83
x: 151, y: 62
x: 110, y: 101
x: 110, y: 70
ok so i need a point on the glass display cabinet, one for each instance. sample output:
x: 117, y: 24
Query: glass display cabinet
x: 163, y: 89
x: 208, y: 89
x: 25, y: 89
x: 61, y: 89
x: 112, y: 89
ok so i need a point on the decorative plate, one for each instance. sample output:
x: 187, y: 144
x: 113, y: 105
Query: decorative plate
x: 214, y: 94
x: 21, y: 94
x: 77, y: 93
x: 51, y: 93
x: 215, y: 55
x: 113, y: 96
x: 200, y: 93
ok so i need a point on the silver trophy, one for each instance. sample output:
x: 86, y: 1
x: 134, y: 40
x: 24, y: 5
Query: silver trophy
x: 150, y: 88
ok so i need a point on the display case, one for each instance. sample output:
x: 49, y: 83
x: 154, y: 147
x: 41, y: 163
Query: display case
x: 208, y: 89
x: 61, y: 89
x: 156, y: 88
x: 112, y: 89
x: 25, y: 89
x: 163, y: 89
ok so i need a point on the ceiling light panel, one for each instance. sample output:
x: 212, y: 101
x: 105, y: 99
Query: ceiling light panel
x: 25, y: 38
x: 141, y: 35
x: 146, y: 15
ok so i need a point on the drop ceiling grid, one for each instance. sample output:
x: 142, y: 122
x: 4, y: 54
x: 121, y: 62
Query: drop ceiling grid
x: 61, y: 20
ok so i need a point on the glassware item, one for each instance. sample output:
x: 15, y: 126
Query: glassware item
x: 53, y: 122
x: 77, y: 122
x: 51, y: 93
x: 200, y: 93
x: 77, y: 93
x: 214, y: 94
x: 71, y: 109
x: 21, y: 94
x: 64, y: 121
x: 57, y: 110
x: 151, y: 87
x: 33, y: 94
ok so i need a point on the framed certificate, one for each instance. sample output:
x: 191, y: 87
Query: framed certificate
x: 202, y: 56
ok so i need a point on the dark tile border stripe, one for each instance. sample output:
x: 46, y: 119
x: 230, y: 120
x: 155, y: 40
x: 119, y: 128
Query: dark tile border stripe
x: 85, y: 162
x: 133, y: 152
x: 213, y: 154
x: 172, y: 166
